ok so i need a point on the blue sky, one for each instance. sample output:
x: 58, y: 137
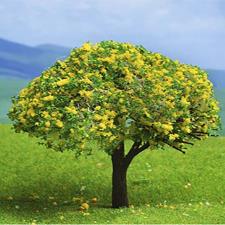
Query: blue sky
x: 192, y: 31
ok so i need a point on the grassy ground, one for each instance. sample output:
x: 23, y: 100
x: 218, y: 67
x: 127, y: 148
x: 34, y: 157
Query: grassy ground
x: 44, y: 186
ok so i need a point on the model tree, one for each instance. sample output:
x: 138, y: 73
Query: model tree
x: 110, y: 92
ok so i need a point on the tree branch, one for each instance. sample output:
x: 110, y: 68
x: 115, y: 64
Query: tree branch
x: 186, y: 142
x: 143, y: 147
x: 135, y: 150
x: 199, y: 132
x: 178, y: 149
x: 194, y: 136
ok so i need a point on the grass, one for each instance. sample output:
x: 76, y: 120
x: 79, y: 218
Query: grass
x: 44, y: 186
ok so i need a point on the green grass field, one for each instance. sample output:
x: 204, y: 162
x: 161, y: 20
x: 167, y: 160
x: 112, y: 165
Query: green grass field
x: 43, y: 186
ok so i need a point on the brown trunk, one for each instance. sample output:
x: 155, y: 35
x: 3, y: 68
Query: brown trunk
x: 119, y: 182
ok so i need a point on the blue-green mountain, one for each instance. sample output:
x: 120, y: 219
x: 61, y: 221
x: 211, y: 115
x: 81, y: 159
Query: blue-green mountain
x: 26, y: 62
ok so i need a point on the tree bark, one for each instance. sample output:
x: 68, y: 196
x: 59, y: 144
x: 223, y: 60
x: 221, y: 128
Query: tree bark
x: 119, y: 181
x: 120, y: 164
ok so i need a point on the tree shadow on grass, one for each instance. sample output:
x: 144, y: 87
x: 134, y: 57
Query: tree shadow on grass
x: 41, y: 211
x: 140, y: 192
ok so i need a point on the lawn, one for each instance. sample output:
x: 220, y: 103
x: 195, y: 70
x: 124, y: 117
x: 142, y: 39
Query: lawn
x: 165, y: 186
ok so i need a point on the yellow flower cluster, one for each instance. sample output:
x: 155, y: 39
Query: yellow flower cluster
x: 63, y: 82
x: 59, y: 123
x: 106, y: 120
x: 86, y: 47
x: 48, y: 98
x: 71, y: 109
x: 85, y: 94
x: 173, y: 137
x: 31, y: 112
x: 167, y: 128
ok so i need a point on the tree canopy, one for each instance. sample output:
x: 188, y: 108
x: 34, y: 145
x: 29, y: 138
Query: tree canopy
x: 110, y: 91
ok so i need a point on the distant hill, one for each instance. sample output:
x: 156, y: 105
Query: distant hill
x: 53, y: 48
x: 22, y: 61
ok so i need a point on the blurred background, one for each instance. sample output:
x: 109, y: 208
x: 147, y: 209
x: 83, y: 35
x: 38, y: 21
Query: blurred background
x: 35, y: 33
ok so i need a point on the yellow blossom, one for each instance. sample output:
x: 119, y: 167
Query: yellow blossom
x: 97, y: 107
x: 215, y: 106
x: 93, y: 128
x: 179, y: 74
x: 184, y: 101
x: 31, y: 112
x: 71, y: 74
x: 22, y: 102
x: 186, y: 129
x: 63, y: 82
x: 172, y: 137
x: 112, y: 138
x: 86, y: 46
x: 48, y: 98
x: 104, y: 117
x: 128, y: 75
x: 35, y: 101
x: 22, y: 120
x: 170, y: 104
x: 71, y: 109
x: 187, y: 120
x: 110, y: 113
x: 23, y: 92
x: 103, y: 70
x: 86, y: 80
x: 111, y: 124
x: 47, y: 124
x: 139, y: 63
x: 97, y: 117
x: 123, y: 109
x: 193, y: 70
x: 106, y: 134
x: 110, y: 59
x: 102, y: 126
x: 45, y: 114
x: 59, y: 123
x: 54, y: 114
x: 167, y: 128
x: 86, y: 94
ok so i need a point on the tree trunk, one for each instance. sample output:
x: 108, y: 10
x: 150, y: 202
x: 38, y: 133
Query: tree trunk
x: 119, y: 182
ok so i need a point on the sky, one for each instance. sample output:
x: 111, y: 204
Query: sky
x: 192, y: 31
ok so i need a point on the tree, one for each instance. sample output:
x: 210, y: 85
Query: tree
x: 109, y: 92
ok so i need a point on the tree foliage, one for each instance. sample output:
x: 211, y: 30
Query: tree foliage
x: 110, y: 91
